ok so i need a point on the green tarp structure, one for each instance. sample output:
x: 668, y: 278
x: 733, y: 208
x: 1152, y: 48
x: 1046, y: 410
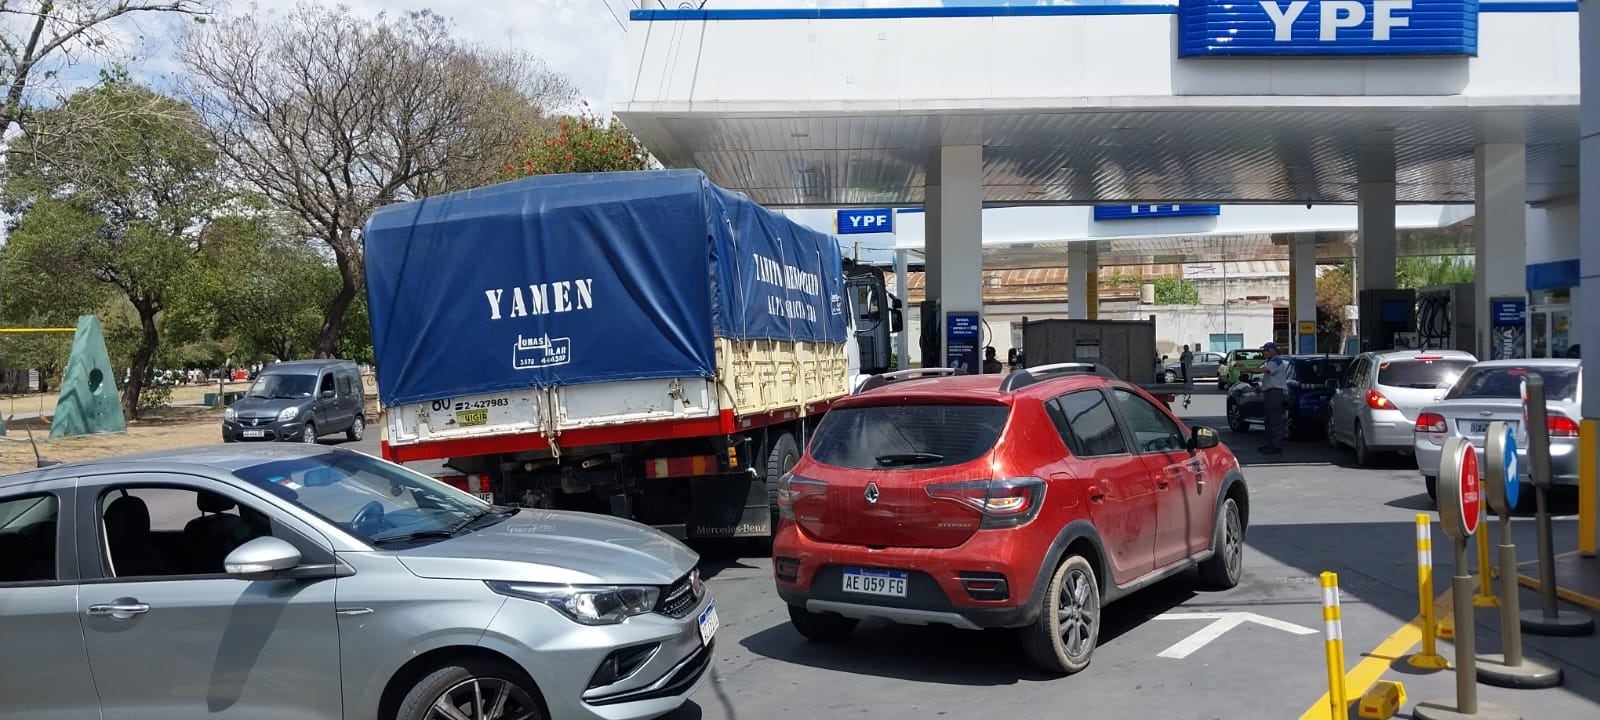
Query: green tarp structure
x: 89, y: 403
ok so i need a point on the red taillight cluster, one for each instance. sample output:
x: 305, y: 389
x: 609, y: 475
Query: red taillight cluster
x: 1377, y: 401
x: 1562, y: 426
x: 1431, y: 423
x: 1008, y: 502
x: 793, y: 489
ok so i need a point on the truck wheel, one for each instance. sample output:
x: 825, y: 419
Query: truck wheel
x: 785, y: 454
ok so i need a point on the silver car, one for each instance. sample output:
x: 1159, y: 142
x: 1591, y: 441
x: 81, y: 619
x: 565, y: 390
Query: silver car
x: 1492, y: 390
x: 1381, y: 393
x: 297, y: 582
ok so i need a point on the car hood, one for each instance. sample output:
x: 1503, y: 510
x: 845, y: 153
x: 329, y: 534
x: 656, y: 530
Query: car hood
x: 263, y: 407
x: 554, y: 546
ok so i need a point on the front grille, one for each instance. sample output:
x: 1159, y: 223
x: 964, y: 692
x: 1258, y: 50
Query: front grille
x: 676, y: 683
x: 681, y: 597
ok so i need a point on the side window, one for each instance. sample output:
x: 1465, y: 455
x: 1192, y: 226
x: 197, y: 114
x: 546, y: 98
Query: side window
x: 327, y: 383
x: 344, y: 385
x: 1352, y: 376
x: 1155, y: 431
x: 28, y: 538
x: 1091, y: 426
x: 163, y: 531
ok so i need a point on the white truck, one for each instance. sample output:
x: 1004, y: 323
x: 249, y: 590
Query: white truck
x: 644, y: 344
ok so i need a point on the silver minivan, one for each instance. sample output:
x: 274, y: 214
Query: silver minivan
x: 1376, y: 404
x: 274, y: 581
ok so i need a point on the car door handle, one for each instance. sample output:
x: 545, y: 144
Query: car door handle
x: 1097, y: 493
x: 119, y: 609
x: 1163, y: 482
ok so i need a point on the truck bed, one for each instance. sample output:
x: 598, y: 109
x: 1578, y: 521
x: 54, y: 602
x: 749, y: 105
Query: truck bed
x: 757, y: 382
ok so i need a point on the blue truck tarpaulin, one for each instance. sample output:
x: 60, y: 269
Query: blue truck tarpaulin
x: 586, y: 278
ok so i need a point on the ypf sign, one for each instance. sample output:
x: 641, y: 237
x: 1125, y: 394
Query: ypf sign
x: 1328, y: 27
x: 864, y: 222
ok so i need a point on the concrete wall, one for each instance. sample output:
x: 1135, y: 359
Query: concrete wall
x: 1553, y: 232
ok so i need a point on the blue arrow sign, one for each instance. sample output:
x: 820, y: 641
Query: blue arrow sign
x: 1513, y: 472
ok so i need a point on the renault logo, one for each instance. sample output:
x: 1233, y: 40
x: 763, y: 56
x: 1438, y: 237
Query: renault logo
x: 872, y: 493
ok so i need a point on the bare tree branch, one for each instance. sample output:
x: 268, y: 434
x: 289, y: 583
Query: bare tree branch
x: 332, y: 116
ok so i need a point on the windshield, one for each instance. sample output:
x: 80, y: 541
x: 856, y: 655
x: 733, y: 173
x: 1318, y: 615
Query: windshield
x: 1246, y: 355
x: 1421, y: 374
x: 283, y: 386
x: 907, y: 436
x: 1503, y: 382
x: 372, y: 499
x: 1319, y: 372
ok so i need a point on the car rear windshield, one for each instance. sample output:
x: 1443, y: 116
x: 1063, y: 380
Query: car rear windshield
x: 886, y: 437
x: 1421, y: 374
x: 1317, y: 372
x: 1247, y: 355
x: 1505, y: 383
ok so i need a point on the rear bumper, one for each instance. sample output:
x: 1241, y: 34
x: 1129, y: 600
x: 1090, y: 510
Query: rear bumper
x: 809, y: 574
x: 1563, y: 458
x: 1388, y: 430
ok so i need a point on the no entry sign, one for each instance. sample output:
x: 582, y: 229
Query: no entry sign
x: 1471, y: 491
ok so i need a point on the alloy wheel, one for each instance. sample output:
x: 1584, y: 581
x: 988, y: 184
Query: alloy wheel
x: 484, y: 699
x: 1233, y: 541
x: 358, y: 429
x: 1077, y: 614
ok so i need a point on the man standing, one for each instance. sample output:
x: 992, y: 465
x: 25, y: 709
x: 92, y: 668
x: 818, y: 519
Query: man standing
x: 1274, y: 386
x: 1184, y: 360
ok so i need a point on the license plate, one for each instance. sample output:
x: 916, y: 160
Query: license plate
x: 468, y: 418
x: 255, y: 433
x: 709, y: 624
x: 1481, y: 427
x: 889, y: 583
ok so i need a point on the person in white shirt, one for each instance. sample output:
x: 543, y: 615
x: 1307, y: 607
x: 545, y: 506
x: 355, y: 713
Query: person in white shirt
x: 1274, y: 386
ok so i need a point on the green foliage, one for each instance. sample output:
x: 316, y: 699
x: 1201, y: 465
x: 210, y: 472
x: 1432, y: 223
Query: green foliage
x: 1333, y: 294
x: 580, y: 144
x: 1172, y: 291
x: 115, y: 202
x: 1426, y: 271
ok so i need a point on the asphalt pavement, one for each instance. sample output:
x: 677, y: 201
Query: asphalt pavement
x: 1171, y: 651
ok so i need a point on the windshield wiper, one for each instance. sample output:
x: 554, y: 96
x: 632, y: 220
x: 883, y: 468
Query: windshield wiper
x: 913, y: 458
x: 411, y: 536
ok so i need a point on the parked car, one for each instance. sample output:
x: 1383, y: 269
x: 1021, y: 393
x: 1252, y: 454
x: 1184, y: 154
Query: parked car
x: 1203, y: 366
x: 297, y: 582
x: 1492, y: 390
x: 1026, y: 501
x: 299, y: 401
x: 1236, y: 360
x: 1379, y: 397
x: 1305, y: 405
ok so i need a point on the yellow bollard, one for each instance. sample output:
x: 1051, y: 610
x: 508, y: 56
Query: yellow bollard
x: 1333, y: 638
x: 1429, y: 658
x: 1485, y: 596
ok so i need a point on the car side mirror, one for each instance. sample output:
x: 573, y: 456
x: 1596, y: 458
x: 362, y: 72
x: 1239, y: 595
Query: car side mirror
x: 327, y: 394
x: 1202, y: 438
x: 261, y: 558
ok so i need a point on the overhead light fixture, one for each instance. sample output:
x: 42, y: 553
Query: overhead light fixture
x: 800, y: 134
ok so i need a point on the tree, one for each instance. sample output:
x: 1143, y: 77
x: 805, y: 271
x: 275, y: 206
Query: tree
x: 1333, y: 295
x: 1172, y: 291
x: 35, y: 34
x: 580, y: 144
x: 331, y: 116
x: 120, y: 206
x: 271, y: 287
x: 1419, y: 272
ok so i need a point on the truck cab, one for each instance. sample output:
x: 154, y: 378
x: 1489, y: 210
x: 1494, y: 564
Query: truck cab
x: 875, y: 316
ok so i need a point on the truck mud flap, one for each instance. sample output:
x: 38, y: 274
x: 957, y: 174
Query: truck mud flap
x: 729, y: 506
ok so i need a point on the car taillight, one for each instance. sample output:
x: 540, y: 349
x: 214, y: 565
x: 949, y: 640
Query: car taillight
x: 1004, y: 503
x: 1431, y: 423
x: 1377, y: 401
x: 1562, y: 426
x: 792, y: 489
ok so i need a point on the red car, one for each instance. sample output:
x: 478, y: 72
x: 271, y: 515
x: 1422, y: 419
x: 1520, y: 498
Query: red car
x: 980, y: 501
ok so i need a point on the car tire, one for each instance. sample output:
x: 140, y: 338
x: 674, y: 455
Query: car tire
x: 1072, y: 597
x: 1432, y: 484
x: 821, y: 627
x: 308, y: 435
x: 1169, y: 377
x: 1236, y: 421
x: 458, y: 685
x: 1363, y: 454
x: 1291, y: 426
x: 358, y: 429
x: 1226, y: 566
x: 784, y: 456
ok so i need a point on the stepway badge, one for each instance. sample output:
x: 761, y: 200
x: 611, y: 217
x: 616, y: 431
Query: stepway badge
x: 532, y: 353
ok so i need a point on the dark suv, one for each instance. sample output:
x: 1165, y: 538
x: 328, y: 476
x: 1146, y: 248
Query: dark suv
x: 980, y: 501
x: 299, y: 401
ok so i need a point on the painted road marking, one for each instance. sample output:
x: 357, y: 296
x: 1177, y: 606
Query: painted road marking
x: 1221, y: 623
x: 1371, y: 668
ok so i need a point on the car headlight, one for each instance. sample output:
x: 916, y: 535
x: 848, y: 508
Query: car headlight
x: 230, y: 414
x: 588, y: 605
x: 288, y: 413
